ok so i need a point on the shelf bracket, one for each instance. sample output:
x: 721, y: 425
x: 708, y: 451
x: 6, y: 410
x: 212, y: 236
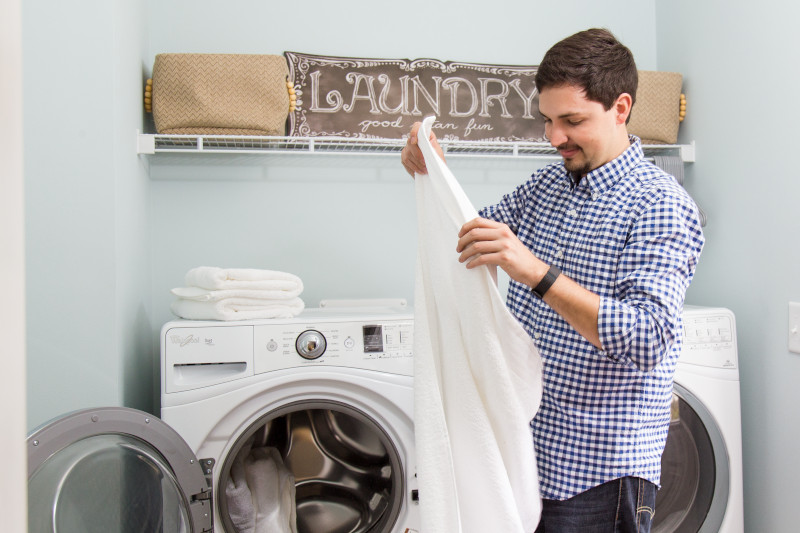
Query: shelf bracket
x: 145, y: 143
x: 687, y: 152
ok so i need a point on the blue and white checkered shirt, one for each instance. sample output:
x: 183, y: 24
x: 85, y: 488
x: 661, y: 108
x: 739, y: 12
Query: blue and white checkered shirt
x: 631, y: 234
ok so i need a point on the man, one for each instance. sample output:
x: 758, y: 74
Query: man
x: 600, y: 249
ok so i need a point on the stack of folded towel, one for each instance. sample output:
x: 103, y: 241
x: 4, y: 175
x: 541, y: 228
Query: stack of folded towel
x: 213, y: 293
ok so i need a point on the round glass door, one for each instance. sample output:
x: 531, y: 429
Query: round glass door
x: 694, y: 470
x: 104, y: 484
x: 103, y: 471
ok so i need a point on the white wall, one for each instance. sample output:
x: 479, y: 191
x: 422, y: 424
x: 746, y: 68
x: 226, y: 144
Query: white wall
x: 12, y: 270
x: 739, y: 61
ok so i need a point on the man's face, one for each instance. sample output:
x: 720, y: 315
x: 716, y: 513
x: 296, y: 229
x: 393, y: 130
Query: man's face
x: 584, y: 133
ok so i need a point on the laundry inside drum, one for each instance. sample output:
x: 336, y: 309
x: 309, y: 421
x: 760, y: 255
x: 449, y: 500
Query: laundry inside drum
x: 346, y: 472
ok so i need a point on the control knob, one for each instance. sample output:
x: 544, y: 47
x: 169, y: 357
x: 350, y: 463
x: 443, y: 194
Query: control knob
x: 310, y: 344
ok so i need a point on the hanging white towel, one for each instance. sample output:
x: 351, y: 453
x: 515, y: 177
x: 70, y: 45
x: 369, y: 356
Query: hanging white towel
x: 242, y: 278
x: 477, y: 378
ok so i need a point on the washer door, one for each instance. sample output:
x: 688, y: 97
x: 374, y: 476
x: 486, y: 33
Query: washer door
x: 694, y: 470
x: 114, y: 470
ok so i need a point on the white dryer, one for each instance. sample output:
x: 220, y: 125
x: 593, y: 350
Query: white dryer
x: 701, y: 469
x: 330, y: 390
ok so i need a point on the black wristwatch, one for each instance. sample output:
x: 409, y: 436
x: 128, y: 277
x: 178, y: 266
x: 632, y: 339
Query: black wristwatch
x: 547, y: 281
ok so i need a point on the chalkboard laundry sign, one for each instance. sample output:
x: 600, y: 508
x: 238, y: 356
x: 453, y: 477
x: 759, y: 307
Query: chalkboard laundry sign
x: 382, y: 98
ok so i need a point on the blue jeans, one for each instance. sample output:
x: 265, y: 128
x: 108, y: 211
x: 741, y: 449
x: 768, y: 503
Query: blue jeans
x: 625, y: 505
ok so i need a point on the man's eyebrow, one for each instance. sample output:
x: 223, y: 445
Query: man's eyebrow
x: 564, y: 115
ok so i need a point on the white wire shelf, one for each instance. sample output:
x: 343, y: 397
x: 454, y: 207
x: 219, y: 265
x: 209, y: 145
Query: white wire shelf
x: 154, y: 144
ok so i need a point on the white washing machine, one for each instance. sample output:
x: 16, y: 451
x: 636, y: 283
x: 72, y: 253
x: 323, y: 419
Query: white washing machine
x: 701, y: 469
x: 329, y: 391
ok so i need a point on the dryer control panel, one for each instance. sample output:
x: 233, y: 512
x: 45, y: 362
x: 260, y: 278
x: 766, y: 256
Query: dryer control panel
x: 709, y: 337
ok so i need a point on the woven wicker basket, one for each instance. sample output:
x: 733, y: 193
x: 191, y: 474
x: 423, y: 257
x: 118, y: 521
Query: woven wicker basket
x: 656, y: 114
x: 220, y: 94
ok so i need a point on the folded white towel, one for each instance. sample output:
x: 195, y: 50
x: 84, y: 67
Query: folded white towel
x: 477, y: 378
x: 242, y: 278
x: 237, y: 308
x: 214, y: 293
x: 204, y: 295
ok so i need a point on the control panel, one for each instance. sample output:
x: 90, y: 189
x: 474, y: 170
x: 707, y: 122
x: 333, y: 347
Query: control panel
x: 202, y: 354
x: 709, y: 338
x: 384, y: 345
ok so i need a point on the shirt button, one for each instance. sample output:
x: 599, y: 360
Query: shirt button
x: 536, y: 335
x: 595, y: 195
x: 572, y: 213
x: 559, y: 254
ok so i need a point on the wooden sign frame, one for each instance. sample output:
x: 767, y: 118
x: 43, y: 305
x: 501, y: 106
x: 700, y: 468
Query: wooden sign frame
x: 382, y: 98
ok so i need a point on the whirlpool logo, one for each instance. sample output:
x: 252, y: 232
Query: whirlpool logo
x: 183, y: 341
x: 189, y: 339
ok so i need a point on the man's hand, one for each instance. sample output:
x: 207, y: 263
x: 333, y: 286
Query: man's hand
x: 411, y: 156
x: 486, y: 242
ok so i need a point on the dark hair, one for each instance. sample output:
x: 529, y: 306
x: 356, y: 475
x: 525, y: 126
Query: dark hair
x: 593, y: 60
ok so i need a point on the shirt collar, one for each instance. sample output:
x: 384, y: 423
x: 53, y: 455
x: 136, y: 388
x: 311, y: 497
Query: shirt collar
x: 604, y: 177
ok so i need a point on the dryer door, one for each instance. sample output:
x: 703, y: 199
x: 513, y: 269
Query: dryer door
x: 114, y: 470
x: 695, y: 475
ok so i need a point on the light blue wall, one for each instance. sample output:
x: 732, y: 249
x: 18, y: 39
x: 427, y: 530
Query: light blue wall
x: 86, y: 203
x: 69, y: 187
x: 740, y: 62
x: 132, y: 244
x: 501, y: 31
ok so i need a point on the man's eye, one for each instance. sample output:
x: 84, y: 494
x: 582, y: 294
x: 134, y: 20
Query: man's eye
x: 575, y: 122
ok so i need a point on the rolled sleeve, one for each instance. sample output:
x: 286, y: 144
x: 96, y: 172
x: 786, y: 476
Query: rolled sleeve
x: 640, y: 323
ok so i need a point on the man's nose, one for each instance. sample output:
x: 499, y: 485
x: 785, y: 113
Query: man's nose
x: 555, y: 135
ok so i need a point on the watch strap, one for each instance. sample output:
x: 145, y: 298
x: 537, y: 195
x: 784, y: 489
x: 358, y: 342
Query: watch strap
x: 547, y: 281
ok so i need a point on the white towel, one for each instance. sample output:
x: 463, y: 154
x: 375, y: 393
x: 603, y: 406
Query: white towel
x: 237, y: 308
x: 242, y: 278
x: 205, y: 295
x: 241, y: 509
x: 238, y: 294
x: 273, y: 489
x: 477, y: 378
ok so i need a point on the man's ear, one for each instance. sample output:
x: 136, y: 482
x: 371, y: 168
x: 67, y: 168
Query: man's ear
x: 622, y: 107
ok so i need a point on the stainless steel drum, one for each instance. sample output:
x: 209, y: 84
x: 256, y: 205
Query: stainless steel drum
x: 348, y: 474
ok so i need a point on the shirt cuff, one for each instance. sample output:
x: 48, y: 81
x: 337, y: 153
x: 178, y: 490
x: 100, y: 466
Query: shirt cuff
x: 629, y: 335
